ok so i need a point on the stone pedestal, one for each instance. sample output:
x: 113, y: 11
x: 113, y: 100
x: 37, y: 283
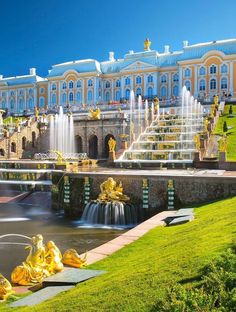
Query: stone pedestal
x: 124, y: 145
x: 222, y: 157
x: 196, y: 157
x: 112, y: 157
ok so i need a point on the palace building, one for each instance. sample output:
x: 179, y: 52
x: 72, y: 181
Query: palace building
x: 205, y: 69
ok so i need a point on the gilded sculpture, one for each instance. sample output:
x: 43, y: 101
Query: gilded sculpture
x: 110, y: 191
x: 223, y: 144
x: 147, y: 44
x: 112, y: 144
x: 53, y: 258
x: 197, y: 141
x: 5, y: 288
x: 95, y: 114
x: 71, y: 258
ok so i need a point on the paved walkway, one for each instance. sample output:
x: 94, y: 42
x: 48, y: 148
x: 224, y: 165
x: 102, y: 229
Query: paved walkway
x: 128, y: 237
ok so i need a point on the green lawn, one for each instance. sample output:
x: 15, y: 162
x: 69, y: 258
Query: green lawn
x: 138, y: 274
x: 231, y: 133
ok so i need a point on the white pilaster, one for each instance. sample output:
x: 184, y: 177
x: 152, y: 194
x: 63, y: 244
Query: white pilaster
x: 145, y: 84
x: 231, y: 79
x: 169, y: 85
x: 180, y: 80
x: 59, y: 93
x: 195, y: 81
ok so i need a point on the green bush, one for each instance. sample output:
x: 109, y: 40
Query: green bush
x: 230, y: 110
x: 216, y: 291
x: 225, y: 127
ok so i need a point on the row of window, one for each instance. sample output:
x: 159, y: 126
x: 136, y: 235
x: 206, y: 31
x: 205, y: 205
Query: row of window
x: 212, y: 70
x: 212, y: 84
x: 20, y: 92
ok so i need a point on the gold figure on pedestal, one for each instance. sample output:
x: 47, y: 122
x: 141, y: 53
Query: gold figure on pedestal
x: 223, y: 144
x: 53, y: 258
x: 95, y: 114
x: 5, y: 288
x: 72, y: 258
x: 147, y: 44
x: 112, y: 144
x: 110, y: 191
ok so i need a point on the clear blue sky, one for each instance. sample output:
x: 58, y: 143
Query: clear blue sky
x: 40, y: 33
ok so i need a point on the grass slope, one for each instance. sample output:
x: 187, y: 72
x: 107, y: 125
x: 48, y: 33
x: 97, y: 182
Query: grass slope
x: 231, y: 133
x: 139, y: 273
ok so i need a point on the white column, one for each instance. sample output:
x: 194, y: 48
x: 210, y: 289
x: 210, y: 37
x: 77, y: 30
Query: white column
x: 35, y: 96
x: 122, y: 87
x: 94, y: 90
x: 145, y: 84
x: 59, y: 93
x: 169, y: 85
x: 49, y: 95
x: 156, y: 83
x: 231, y: 79
x: 25, y: 98
x: 8, y: 106
x: 195, y: 81
x: 112, y: 90
x: 16, y: 108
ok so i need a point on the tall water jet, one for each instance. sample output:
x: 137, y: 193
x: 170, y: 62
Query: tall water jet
x: 139, y: 130
x: 131, y: 116
x: 62, y: 133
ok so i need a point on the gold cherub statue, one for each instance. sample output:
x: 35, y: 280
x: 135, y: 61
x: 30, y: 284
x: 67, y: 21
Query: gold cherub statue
x: 112, y: 144
x: 5, y: 288
x: 110, y: 191
x: 95, y: 114
x: 147, y: 44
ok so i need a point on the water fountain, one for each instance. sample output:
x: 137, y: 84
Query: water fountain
x: 110, y: 209
x: 62, y: 132
x: 169, y: 138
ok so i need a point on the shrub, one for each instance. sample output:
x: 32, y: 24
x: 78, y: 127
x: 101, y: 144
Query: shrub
x: 230, y: 110
x: 225, y: 128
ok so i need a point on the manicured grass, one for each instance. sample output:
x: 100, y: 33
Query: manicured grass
x: 231, y: 133
x: 139, y: 273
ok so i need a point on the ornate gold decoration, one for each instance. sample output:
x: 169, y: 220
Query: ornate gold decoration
x: 216, y: 100
x: 112, y: 144
x: 197, y: 141
x: 145, y: 182
x: 72, y: 258
x: 95, y: 114
x: 170, y: 184
x: 5, y: 288
x: 206, y: 122
x: 53, y: 258
x: 223, y: 144
x: 110, y: 191
x: 147, y: 44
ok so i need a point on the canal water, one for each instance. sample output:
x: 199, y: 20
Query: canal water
x: 33, y: 216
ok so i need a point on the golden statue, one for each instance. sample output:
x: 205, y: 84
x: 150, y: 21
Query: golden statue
x: 53, y: 258
x: 5, y: 288
x: 206, y: 122
x: 156, y: 105
x: 170, y: 184
x: 216, y: 100
x: 110, y: 191
x: 95, y: 114
x: 197, y: 141
x: 112, y: 144
x: 71, y: 258
x: 147, y: 44
x: 223, y: 144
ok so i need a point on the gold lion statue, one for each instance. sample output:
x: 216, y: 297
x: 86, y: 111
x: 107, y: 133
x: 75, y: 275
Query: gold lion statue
x: 110, y: 191
x: 5, y: 288
x: 71, y: 258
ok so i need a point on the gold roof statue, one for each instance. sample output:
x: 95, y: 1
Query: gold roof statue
x: 112, y: 144
x: 147, y: 44
x: 95, y: 114
x: 111, y: 192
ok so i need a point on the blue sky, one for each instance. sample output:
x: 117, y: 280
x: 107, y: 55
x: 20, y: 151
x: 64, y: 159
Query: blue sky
x: 40, y: 33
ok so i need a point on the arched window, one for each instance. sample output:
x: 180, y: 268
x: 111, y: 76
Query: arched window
x: 150, y: 92
x: 54, y: 87
x: 21, y: 105
x: 187, y: 72
x: 213, y: 84
x: 71, y: 84
x: 41, y: 90
x: 127, y: 94
x: 13, y: 147
x: 117, y: 95
x: 163, y: 91
x: 138, y: 80
x: 138, y: 91
x: 30, y: 92
x: 64, y: 98
x: 224, y: 69
x: 127, y: 81
x: 79, y: 84
x: 117, y: 83
x: 202, y: 71
x: 224, y: 84
x: 213, y: 69
x: 90, y: 83
x: 64, y: 85
x: 187, y: 85
x: 41, y: 102
x: 78, y: 97
x: 12, y: 104
x: 107, y: 96
x: 150, y: 78
x: 163, y: 79
x: 23, y: 143
x: 175, y: 90
x: 202, y: 85
x: 71, y: 97
x: 54, y: 98
x: 3, y: 104
x: 175, y: 77
x: 107, y: 85
x: 12, y: 93
x: 90, y: 95
x: 31, y: 104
